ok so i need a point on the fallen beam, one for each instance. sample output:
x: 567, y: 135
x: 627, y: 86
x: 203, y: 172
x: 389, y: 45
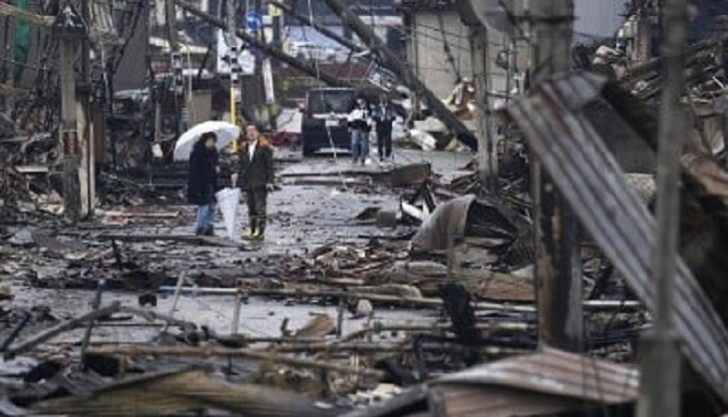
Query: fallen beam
x: 207, y: 351
x: 184, y: 392
x: 404, y: 72
x: 424, y: 302
x: 267, y: 49
x: 30, y: 17
x: 60, y: 328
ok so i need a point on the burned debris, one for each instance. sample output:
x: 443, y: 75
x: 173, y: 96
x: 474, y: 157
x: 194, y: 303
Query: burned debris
x: 430, y: 283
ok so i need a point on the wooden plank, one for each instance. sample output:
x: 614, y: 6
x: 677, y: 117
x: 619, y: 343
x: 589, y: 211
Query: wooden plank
x: 174, y: 393
x: 32, y: 169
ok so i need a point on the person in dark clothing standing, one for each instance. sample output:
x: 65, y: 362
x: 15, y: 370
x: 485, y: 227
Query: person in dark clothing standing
x: 384, y: 116
x: 202, y: 182
x: 257, y: 177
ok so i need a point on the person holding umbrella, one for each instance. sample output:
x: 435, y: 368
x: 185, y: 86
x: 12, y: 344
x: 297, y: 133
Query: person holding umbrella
x: 257, y: 176
x: 202, y: 182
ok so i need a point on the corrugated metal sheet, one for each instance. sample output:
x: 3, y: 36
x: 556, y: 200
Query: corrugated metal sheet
x: 481, y: 401
x: 556, y: 373
x: 573, y: 152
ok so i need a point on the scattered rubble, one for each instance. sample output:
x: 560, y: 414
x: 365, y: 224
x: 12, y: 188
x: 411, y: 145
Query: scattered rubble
x: 419, y: 302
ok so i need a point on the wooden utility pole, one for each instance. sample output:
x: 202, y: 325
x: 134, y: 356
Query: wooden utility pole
x: 170, y: 17
x: 558, y: 264
x: 660, y: 385
x: 232, y: 41
x: 404, y: 72
x: 487, y: 147
x: 70, y: 30
x: 276, y: 13
x: 85, y: 125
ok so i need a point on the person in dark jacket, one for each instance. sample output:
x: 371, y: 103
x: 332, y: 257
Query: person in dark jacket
x: 383, y: 115
x: 202, y: 182
x: 257, y: 177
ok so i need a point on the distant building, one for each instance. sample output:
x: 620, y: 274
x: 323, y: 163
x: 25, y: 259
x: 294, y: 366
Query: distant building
x: 438, y: 47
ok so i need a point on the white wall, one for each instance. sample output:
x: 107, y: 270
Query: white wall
x: 427, y: 55
x: 599, y: 18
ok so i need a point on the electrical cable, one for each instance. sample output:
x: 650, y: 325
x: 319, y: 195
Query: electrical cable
x: 448, y: 52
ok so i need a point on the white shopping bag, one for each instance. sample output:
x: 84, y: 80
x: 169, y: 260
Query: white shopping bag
x: 228, y: 200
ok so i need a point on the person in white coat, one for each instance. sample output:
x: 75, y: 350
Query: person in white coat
x: 360, y: 124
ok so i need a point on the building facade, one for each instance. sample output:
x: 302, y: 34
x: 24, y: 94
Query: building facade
x: 438, y: 47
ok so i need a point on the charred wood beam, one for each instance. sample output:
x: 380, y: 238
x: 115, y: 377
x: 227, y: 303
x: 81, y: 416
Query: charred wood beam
x: 60, y: 328
x: 267, y: 49
x: 206, y: 351
x: 408, y: 77
x: 421, y: 302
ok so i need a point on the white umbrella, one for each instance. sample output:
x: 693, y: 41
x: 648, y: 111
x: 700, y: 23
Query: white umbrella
x: 226, y: 133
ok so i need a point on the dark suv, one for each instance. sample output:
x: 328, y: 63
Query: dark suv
x: 325, y: 113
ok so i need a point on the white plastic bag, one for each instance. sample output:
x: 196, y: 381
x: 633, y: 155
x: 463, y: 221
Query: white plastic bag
x: 228, y: 200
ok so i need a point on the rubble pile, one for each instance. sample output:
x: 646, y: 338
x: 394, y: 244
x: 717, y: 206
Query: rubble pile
x: 421, y: 301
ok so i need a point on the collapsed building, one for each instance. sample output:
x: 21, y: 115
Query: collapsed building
x: 594, y: 131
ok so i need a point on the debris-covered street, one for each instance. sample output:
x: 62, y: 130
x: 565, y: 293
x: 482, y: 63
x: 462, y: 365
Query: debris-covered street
x: 387, y: 209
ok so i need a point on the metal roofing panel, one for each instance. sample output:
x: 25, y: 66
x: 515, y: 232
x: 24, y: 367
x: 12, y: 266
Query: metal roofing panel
x: 493, y: 401
x: 556, y: 373
x: 574, y: 154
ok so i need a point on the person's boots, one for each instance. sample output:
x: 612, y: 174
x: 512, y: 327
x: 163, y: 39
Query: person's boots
x: 260, y: 231
x: 210, y: 231
x: 252, y: 231
x: 199, y: 231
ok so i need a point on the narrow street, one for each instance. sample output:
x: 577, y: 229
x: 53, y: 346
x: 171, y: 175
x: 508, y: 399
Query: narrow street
x: 338, y: 208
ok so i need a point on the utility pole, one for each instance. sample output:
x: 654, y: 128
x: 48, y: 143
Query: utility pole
x: 643, y: 35
x: 276, y: 12
x: 487, y: 147
x: 558, y: 264
x: 232, y: 42
x: 660, y: 385
x: 170, y: 17
x: 85, y: 122
x: 70, y: 29
x: 404, y: 72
